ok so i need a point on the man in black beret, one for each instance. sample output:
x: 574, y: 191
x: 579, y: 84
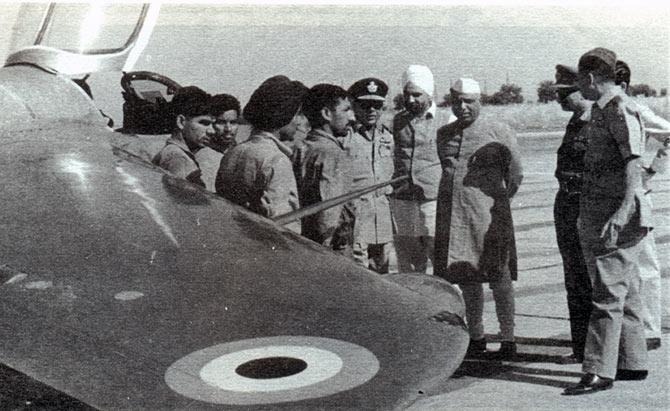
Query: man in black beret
x: 321, y: 165
x: 569, y: 172
x: 258, y: 173
x: 371, y: 150
x: 614, y: 218
x: 193, y: 126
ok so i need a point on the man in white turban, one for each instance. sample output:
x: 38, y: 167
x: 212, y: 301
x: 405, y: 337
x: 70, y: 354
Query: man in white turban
x: 414, y: 200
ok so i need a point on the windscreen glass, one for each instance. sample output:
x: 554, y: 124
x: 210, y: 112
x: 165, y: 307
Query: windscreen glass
x: 89, y: 28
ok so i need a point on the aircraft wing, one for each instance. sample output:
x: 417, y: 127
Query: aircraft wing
x: 127, y: 288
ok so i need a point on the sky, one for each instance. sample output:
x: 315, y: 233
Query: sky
x: 233, y: 48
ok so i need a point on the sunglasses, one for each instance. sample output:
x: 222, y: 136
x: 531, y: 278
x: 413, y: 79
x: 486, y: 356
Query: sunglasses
x: 366, y: 105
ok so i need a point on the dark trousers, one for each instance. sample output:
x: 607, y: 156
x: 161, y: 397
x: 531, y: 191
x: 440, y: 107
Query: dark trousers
x: 577, y: 283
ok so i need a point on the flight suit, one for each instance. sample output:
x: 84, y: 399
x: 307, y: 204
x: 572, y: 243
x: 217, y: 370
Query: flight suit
x: 258, y: 175
x: 615, y: 338
x: 371, y: 153
x: 569, y: 172
x: 320, y: 165
x: 178, y: 159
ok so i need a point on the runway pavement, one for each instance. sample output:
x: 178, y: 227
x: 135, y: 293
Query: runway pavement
x: 534, y: 381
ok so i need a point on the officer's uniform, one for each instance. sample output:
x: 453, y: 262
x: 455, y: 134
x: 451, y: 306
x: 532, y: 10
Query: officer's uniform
x: 615, y: 338
x: 569, y: 173
x: 371, y: 153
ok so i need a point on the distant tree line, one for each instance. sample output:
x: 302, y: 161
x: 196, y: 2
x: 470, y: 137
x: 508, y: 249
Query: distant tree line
x: 511, y: 94
x: 545, y: 93
x: 508, y: 94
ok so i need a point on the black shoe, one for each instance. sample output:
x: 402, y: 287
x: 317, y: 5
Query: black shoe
x: 653, y: 344
x: 476, y: 348
x: 507, y: 351
x: 569, y: 359
x: 589, y: 383
x: 631, y: 375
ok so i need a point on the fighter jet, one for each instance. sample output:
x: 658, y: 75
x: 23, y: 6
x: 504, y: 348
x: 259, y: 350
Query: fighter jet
x: 127, y: 288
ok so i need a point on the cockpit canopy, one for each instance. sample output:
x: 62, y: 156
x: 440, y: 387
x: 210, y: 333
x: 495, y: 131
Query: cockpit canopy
x: 77, y: 39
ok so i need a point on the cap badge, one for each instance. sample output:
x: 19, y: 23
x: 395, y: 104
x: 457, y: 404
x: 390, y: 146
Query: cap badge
x: 372, y: 87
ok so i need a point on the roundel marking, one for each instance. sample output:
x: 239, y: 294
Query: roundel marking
x: 271, y: 370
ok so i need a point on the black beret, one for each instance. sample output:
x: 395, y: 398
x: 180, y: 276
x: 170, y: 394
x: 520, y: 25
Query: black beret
x: 599, y: 57
x: 274, y: 103
x: 191, y: 101
x: 369, y: 89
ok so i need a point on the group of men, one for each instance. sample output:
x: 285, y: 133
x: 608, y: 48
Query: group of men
x: 603, y: 221
x: 454, y: 175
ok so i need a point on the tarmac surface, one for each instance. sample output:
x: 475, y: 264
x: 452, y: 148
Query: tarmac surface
x: 534, y: 381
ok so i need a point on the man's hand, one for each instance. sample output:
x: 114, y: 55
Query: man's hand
x: 610, y: 232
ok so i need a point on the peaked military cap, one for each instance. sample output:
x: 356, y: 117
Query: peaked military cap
x: 369, y: 89
x: 566, y: 77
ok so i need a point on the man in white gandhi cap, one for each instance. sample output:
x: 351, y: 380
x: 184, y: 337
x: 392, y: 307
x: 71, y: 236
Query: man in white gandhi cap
x: 474, y: 238
x: 413, y: 201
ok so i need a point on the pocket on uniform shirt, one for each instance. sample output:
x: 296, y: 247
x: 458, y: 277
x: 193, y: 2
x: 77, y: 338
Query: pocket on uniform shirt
x: 384, y: 150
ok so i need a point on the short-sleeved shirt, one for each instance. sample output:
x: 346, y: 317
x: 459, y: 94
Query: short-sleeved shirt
x: 179, y: 160
x: 570, y: 155
x: 615, y: 135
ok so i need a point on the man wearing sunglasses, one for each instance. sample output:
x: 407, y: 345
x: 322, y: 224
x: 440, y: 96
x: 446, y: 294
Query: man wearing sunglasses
x: 371, y: 150
x: 569, y: 171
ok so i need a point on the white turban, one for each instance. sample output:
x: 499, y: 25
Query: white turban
x: 420, y: 76
x: 466, y: 86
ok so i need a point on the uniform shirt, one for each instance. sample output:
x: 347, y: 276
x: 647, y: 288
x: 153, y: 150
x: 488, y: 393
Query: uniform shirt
x: 371, y: 153
x: 416, y: 152
x: 570, y: 155
x: 176, y: 158
x: 320, y: 165
x: 258, y: 175
x: 615, y: 135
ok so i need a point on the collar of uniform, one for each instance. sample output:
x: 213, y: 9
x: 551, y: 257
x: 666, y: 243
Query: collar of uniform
x: 179, y: 142
x: 610, y: 93
x: 318, y: 133
x: 369, y: 134
x: 281, y: 146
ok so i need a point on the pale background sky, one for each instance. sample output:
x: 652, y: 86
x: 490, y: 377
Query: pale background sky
x: 233, y: 48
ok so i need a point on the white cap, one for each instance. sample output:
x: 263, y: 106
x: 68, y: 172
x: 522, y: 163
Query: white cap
x: 466, y: 86
x: 420, y: 76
